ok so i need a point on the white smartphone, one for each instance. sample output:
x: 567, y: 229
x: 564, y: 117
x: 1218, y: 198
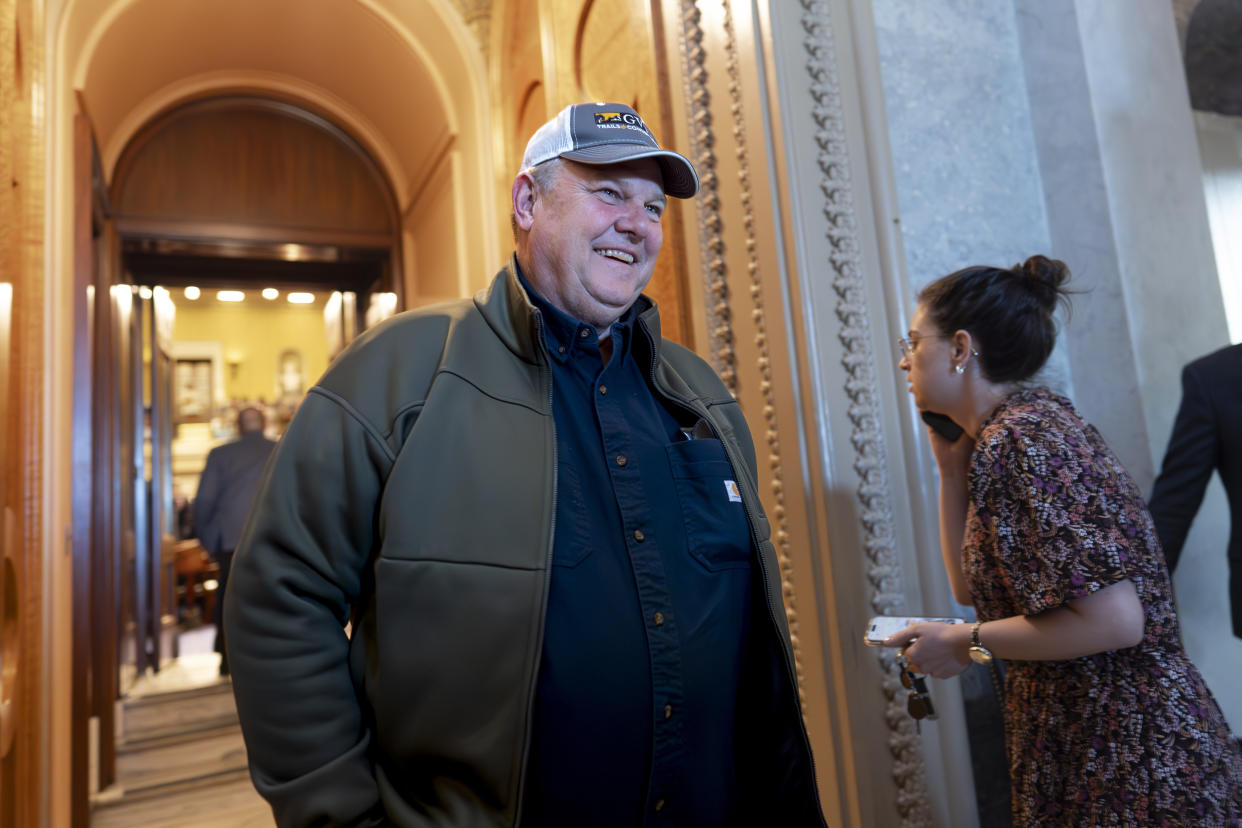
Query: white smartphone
x: 881, y: 627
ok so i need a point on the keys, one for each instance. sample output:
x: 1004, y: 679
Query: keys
x: 918, y: 700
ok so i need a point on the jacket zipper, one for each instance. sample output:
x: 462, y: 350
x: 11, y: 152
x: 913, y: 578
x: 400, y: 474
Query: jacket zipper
x: 546, y: 369
x: 786, y: 653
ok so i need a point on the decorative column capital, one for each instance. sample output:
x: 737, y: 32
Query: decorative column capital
x: 477, y: 15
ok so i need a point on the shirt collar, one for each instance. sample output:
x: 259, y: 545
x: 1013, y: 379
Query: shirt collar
x: 563, y: 333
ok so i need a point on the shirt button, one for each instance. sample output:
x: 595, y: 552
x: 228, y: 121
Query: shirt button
x: 659, y: 806
x: 639, y: 536
x: 584, y: 333
x: 668, y: 711
x: 560, y: 349
x: 658, y: 618
x: 603, y: 389
x: 621, y: 460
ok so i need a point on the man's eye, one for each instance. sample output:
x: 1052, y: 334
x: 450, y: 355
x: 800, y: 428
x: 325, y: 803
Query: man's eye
x: 655, y: 210
x: 609, y: 192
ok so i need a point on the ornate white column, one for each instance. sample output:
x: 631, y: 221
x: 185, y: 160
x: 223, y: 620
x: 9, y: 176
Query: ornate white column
x: 802, y: 298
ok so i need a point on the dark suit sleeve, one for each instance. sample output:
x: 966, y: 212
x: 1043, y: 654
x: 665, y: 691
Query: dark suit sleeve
x: 207, y: 503
x: 1188, y: 462
x: 299, y: 567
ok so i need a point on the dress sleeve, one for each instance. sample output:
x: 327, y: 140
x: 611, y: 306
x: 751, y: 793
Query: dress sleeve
x: 1057, y: 538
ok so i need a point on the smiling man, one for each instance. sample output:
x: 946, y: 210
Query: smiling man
x: 542, y: 519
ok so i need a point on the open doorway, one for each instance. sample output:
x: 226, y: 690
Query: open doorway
x: 219, y: 351
x: 362, y: 127
x: 241, y: 243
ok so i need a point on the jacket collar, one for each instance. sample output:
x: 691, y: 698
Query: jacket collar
x: 510, y: 313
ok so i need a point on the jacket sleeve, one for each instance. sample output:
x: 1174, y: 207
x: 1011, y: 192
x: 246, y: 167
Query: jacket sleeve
x: 300, y: 566
x: 1188, y: 463
x: 207, y: 503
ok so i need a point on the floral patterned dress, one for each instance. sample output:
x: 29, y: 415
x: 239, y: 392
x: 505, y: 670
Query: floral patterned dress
x: 1128, y: 737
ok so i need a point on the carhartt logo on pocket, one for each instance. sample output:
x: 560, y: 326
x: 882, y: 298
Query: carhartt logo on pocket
x: 734, y: 495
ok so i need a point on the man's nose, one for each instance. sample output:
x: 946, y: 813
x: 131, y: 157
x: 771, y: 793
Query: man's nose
x: 633, y: 219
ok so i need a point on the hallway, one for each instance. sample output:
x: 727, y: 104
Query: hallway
x: 850, y: 151
x: 180, y: 757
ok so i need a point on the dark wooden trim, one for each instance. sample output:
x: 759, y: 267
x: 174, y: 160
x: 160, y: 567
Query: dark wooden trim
x: 239, y: 102
x: 81, y: 485
x: 160, y: 487
x: 209, y: 272
x: 127, y: 528
x: 149, y: 226
x: 226, y: 236
x: 141, y: 503
x: 104, y: 510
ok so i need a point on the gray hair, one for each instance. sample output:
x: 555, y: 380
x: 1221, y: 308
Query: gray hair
x: 544, y: 177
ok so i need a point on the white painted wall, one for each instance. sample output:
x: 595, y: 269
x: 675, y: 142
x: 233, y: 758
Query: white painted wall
x: 1220, y: 148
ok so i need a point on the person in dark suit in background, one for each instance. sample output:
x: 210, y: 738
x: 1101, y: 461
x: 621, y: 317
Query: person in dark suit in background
x: 1207, y: 434
x: 225, y: 493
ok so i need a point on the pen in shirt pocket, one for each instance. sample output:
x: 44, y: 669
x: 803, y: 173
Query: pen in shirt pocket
x: 699, y: 431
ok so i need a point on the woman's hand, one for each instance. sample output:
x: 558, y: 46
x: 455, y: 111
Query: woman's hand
x: 953, y: 458
x: 934, y: 648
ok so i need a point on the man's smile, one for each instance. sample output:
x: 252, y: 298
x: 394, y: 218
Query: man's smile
x: 614, y: 253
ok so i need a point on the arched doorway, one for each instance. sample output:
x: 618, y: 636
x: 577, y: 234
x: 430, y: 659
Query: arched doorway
x: 401, y: 81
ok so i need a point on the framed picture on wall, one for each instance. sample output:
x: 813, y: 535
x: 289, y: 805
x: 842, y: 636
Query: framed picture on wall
x: 192, y: 391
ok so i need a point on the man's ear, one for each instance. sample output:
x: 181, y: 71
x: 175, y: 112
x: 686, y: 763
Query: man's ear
x: 524, y: 198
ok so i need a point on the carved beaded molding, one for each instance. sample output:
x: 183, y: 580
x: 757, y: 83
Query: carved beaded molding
x: 707, y: 205
x: 771, y: 431
x: 711, y: 240
x: 870, y: 459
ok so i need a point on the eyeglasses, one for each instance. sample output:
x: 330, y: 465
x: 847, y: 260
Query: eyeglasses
x: 918, y: 700
x: 907, y: 344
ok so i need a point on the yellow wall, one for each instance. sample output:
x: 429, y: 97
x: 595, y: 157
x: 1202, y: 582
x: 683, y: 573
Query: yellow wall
x: 430, y: 224
x: 251, y: 335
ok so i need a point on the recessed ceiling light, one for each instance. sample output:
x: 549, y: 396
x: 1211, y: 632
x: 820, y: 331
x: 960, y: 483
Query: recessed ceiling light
x: 298, y: 298
x: 191, y: 292
x: 230, y: 295
x: 270, y: 293
x: 144, y: 292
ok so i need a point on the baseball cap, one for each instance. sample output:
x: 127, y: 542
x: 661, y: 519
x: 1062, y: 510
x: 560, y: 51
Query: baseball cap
x: 608, y: 133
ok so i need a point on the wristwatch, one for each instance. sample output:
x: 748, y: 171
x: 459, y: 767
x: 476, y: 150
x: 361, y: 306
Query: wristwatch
x: 979, y: 654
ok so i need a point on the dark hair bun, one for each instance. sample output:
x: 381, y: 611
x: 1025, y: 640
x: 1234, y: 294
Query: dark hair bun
x: 1049, y: 274
x: 1010, y: 312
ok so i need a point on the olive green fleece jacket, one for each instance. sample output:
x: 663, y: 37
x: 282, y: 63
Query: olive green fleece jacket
x: 415, y: 492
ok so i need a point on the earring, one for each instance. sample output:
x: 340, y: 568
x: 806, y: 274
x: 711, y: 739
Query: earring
x: 960, y: 368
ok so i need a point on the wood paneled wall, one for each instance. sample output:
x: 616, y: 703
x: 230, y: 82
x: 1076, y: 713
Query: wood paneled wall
x: 22, y: 75
x: 558, y: 52
x: 227, y: 162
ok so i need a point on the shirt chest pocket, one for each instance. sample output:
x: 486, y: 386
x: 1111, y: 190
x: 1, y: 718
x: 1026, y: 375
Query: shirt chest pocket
x: 717, y: 533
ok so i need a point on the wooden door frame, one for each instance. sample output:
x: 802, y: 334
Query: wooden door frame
x: 93, y: 681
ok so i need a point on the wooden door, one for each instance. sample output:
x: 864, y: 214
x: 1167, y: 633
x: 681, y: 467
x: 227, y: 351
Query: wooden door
x: 558, y: 52
x: 127, y: 407
x: 105, y: 537
x: 22, y: 383
x: 162, y: 537
x: 10, y: 605
x: 93, y: 691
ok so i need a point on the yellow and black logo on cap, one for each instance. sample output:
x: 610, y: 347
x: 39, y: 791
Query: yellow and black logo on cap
x: 620, y: 120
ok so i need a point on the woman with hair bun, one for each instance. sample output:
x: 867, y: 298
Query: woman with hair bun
x: 1041, y: 529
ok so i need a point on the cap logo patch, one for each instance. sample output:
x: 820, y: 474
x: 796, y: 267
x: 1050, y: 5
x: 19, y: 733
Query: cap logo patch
x: 620, y: 120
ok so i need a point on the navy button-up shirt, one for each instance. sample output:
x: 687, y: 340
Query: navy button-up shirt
x: 649, y: 607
